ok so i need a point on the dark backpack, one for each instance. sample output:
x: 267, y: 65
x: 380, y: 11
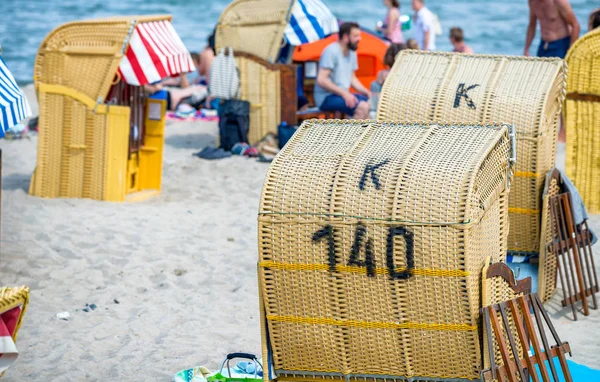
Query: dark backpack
x: 234, y: 122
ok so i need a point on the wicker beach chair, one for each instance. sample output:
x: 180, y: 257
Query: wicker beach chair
x: 372, y: 240
x: 547, y: 274
x: 85, y: 138
x: 254, y: 26
x: 271, y: 91
x: 526, y: 92
x: 255, y: 29
x: 582, y: 118
x: 13, y: 305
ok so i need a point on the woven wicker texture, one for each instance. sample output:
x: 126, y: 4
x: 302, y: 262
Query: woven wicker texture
x: 445, y: 87
x: 495, y: 290
x: 11, y: 298
x: 254, y: 26
x: 372, y: 237
x: 85, y: 55
x: 547, y: 269
x: 74, y: 70
x: 261, y: 87
x: 582, y: 118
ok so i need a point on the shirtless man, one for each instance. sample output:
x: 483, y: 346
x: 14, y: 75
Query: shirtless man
x: 560, y: 28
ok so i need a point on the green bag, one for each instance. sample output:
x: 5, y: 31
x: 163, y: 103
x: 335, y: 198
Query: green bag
x: 236, y: 376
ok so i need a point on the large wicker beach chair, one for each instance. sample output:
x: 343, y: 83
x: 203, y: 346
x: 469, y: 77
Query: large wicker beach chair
x: 13, y: 305
x: 88, y: 146
x: 582, y: 118
x: 526, y: 92
x: 255, y: 29
x: 372, y: 241
x: 271, y: 91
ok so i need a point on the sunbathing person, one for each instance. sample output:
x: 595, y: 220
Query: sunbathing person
x: 192, y: 94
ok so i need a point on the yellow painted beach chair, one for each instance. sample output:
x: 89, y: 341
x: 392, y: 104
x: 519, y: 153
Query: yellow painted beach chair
x: 13, y: 305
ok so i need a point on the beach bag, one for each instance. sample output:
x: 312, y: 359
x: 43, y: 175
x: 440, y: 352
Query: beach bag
x: 234, y: 122
x: 285, y: 133
x: 238, y: 374
x: 224, y: 76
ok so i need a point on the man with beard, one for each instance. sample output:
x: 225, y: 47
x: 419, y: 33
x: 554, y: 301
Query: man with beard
x: 337, y: 68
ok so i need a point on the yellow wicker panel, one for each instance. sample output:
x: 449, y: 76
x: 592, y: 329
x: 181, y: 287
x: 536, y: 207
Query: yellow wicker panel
x: 261, y: 87
x: 344, y: 206
x: 528, y: 92
x: 11, y: 298
x: 151, y: 155
x: 85, y: 55
x: 86, y: 157
x: 46, y: 182
x: 114, y: 184
x: 582, y: 117
x: 74, y: 145
x: 548, y: 262
x: 254, y: 26
x: 83, y: 143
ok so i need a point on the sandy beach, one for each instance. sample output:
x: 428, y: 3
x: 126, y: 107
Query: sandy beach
x: 173, y: 278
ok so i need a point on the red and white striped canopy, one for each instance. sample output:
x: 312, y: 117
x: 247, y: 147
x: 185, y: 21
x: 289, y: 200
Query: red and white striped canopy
x: 155, y: 52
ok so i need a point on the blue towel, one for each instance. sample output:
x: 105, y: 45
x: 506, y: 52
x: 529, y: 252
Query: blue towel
x: 524, y: 270
x: 579, y: 373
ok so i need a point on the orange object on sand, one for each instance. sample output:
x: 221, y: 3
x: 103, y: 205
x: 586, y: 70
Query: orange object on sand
x: 371, y: 50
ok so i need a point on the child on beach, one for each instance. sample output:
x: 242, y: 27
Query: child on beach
x: 457, y: 40
x: 411, y: 43
x: 388, y: 60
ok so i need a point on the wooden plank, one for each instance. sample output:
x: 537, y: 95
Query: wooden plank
x: 563, y: 253
x: 524, y: 339
x: 504, y: 271
x: 502, y: 345
x: 536, y: 312
x: 566, y: 200
x: 573, y: 299
x: 288, y: 94
x: 490, y: 341
x: 534, y: 340
x: 511, y: 340
x: 554, y: 352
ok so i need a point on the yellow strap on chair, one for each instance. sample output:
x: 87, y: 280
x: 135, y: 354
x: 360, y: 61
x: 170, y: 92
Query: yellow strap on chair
x: 72, y: 93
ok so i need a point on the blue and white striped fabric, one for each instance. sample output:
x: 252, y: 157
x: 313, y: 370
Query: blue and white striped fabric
x: 13, y: 104
x: 311, y: 21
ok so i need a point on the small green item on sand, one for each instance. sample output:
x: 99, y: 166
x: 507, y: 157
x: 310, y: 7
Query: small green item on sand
x: 236, y: 376
x: 196, y: 374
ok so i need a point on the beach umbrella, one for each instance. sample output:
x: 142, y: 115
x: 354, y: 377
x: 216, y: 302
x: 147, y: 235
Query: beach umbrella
x: 13, y: 104
x: 310, y: 21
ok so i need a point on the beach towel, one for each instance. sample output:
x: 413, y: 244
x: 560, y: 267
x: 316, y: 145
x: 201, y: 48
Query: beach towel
x: 579, y: 373
x: 197, y: 116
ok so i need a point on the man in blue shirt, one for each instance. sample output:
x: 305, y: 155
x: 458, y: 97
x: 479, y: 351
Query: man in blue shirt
x: 337, y: 68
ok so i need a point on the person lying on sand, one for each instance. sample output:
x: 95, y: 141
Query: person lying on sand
x: 193, y: 94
